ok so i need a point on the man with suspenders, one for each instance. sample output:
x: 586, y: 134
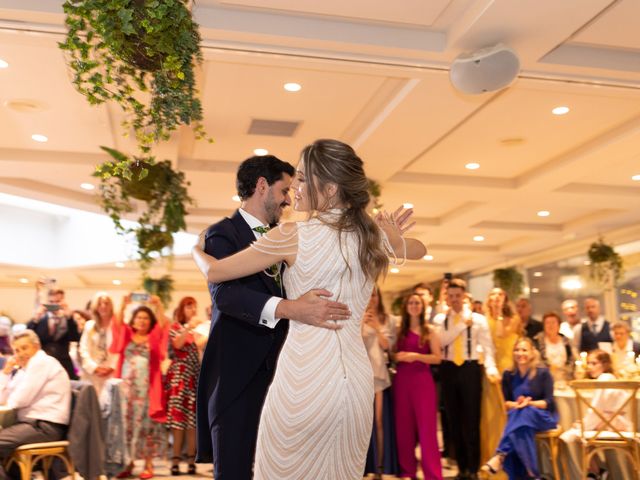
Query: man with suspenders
x: 461, y: 333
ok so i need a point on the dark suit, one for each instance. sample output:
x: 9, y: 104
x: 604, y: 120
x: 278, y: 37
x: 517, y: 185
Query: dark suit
x: 57, y: 344
x: 239, y: 360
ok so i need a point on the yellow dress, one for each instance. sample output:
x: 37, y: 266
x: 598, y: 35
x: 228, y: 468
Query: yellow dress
x: 493, y: 416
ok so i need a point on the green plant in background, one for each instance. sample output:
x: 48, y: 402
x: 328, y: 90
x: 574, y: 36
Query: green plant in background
x: 606, y: 265
x: 162, y: 287
x: 510, y: 280
x: 141, y: 54
x: 163, y: 191
x: 375, y: 190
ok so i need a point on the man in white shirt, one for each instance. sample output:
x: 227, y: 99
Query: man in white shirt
x: 462, y: 334
x: 571, y: 318
x: 37, y: 387
x: 592, y: 331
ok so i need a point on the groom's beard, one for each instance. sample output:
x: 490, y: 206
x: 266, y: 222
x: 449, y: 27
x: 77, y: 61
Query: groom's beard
x: 274, y: 210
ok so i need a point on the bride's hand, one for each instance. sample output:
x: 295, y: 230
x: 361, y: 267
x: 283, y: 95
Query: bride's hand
x: 396, y: 223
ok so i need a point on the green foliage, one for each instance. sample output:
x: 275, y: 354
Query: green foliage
x: 162, y: 287
x: 140, y: 54
x: 163, y: 191
x: 510, y: 280
x: 607, y: 266
x: 375, y: 190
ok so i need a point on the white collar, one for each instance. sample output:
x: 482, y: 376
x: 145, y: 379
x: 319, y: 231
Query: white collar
x: 252, y: 221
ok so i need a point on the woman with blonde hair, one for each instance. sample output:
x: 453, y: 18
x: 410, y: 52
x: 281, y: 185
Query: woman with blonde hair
x: 98, y: 363
x: 528, y: 394
x: 505, y: 328
x: 317, y: 416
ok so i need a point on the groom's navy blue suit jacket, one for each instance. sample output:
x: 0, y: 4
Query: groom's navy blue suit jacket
x: 238, y: 345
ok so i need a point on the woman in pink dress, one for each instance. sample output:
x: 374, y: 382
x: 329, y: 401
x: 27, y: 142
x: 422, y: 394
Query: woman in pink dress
x: 415, y: 399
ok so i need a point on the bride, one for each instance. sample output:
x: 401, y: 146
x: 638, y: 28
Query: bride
x: 317, y: 417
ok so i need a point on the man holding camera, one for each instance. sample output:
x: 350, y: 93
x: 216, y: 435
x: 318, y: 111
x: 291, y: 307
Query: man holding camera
x: 56, y: 328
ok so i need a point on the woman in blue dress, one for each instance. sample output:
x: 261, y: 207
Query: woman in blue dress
x: 528, y: 394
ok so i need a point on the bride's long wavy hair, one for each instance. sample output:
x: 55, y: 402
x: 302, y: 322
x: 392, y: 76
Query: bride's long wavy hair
x: 331, y: 161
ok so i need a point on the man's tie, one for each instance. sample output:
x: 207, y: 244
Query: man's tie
x: 458, y: 345
x: 274, y: 269
x: 261, y: 229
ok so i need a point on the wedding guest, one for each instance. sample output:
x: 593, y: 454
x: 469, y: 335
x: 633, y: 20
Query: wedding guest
x: 56, y: 329
x: 624, y: 349
x: 141, y: 345
x: 505, y: 329
x: 5, y: 336
x: 98, y: 362
x: 477, y: 307
x: 426, y: 293
x: 181, y: 383
x: 599, y: 367
x: 530, y: 325
x: 592, y: 330
x: 80, y: 317
x: 415, y: 401
x: 528, y: 394
x: 571, y: 318
x: 463, y: 335
x: 37, y: 387
x: 376, y: 333
x: 555, y: 348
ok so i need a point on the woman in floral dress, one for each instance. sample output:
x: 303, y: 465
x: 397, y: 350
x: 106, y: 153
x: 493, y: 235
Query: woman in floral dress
x: 181, y: 383
x: 142, y: 347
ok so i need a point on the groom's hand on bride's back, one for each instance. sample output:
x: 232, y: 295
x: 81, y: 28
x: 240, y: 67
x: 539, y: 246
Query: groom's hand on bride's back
x: 315, y: 308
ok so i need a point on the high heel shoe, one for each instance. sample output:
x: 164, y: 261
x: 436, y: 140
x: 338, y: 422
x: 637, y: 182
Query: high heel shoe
x: 494, y: 465
x: 126, y: 473
x: 192, y: 469
x: 175, y: 467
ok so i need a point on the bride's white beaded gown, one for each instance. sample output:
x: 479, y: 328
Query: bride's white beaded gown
x: 317, y: 419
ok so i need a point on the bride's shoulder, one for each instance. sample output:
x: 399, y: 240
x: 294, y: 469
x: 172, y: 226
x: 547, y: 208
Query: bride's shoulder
x: 284, y: 230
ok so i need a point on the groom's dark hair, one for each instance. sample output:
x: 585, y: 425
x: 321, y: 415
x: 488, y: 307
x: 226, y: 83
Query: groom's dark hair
x: 267, y: 166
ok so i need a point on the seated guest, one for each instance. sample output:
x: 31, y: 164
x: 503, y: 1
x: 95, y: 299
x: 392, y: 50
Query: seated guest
x: 599, y: 367
x: 593, y: 330
x: 528, y: 393
x: 554, y: 348
x: 56, y: 329
x: 623, y: 346
x: 38, y: 388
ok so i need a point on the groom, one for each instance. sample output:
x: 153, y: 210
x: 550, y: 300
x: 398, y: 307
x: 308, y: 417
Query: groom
x: 248, y: 325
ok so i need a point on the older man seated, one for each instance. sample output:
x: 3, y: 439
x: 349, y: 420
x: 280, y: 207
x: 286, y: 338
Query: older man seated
x: 38, y: 388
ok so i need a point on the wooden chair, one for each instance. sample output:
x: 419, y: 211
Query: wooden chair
x: 551, y: 439
x: 27, y: 456
x: 606, y: 434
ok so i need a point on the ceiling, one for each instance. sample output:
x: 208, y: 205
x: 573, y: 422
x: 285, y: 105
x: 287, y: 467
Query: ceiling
x: 373, y: 74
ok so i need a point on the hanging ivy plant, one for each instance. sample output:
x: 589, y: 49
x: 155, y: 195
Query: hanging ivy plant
x: 510, y: 280
x: 157, y: 185
x: 606, y: 265
x: 140, y: 54
x: 375, y: 190
x: 162, y: 287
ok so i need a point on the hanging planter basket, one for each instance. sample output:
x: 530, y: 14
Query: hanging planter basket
x: 510, y: 280
x: 606, y: 266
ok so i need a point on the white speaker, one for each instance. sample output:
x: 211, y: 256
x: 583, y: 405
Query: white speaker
x: 485, y: 70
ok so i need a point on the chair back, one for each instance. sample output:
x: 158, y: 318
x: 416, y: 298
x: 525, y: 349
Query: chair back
x: 608, y: 411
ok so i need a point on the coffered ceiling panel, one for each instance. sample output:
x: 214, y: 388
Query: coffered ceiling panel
x: 614, y: 28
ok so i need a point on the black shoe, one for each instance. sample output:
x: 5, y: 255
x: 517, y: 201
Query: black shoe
x: 192, y: 469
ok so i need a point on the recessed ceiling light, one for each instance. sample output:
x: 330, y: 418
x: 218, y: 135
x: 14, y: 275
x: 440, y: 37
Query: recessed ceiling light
x: 537, y: 274
x: 407, y: 205
x: 560, y: 110
x: 261, y: 152
x: 636, y: 178
x: 87, y: 186
x: 535, y: 290
x: 117, y: 282
x: 544, y: 213
x: 119, y: 264
x: 394, y: 270
x: 472, y: 166
x: 292, y: 87
x: 428, y: 258
x: 39, y: 138
x: 478, y: 238
x: 3, y: 64
x: 235, y: 198
x: 512, y: 141
x: 24, y: 280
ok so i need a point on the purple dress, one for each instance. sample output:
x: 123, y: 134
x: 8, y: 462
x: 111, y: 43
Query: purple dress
x: 416, y: 408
